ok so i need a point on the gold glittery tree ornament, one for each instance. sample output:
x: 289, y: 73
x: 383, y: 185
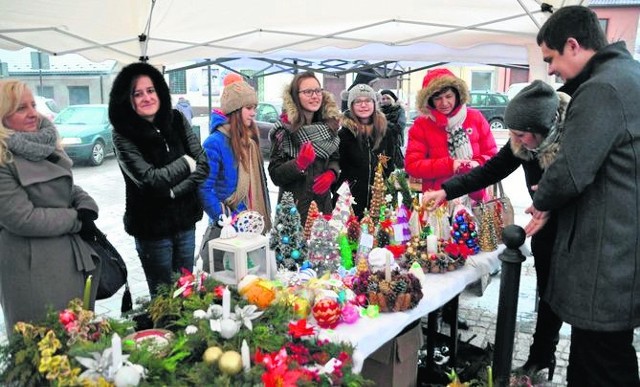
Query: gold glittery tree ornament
x: 312, y: 215
x: 378, y: 189
x: 487, y: 239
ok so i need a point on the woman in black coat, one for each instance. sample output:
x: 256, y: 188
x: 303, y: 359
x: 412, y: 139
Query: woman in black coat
x: 535, y: 118
x: 163, y: 164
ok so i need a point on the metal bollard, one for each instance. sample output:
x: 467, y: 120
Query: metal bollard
x: 513, y: 237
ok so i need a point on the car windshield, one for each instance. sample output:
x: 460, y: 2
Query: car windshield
x: 81, y: 115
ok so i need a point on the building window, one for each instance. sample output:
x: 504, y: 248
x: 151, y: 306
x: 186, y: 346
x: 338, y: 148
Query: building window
x: 78, y: 95
x: 178, y: 82
x: 604, y: 23
x: 45, y: 91
x: 481, y: 80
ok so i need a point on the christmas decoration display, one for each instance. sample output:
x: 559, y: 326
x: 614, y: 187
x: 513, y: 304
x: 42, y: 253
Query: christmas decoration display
x: 342, y: 211
x: 324, y: 253
x: 257, y: 291
x: 487, y: 234
x: 353, y: 231
x: 378, y: 189
x: 402, y: 231
x: 463, y: 230
x: 312, y: 215
x: 403, y: 291
x: 327, y: 313
x: 438, y: 220
x: 384, y: 234
x: 74, y: 347
x: 287, y: 239
x: 249, y: 222
x: 398, y: 183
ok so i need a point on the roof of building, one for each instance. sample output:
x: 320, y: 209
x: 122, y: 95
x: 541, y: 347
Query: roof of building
x: 614, y: 3
x: 20, y: 62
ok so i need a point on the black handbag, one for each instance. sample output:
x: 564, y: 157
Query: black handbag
x: 113, y: 270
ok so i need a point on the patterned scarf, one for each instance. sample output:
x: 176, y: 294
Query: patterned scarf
x: 34, y: 146
x: 457, y: 138
x: 325, y: 141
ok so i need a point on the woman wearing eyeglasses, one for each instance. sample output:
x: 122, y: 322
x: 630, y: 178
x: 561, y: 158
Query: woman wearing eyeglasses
x: 304, y: 144
x: 363, y: 136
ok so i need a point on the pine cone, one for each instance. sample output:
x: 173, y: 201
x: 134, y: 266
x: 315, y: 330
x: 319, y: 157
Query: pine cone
x: 372, y: 286
x: 382, y: 302
x: 403, y: 302
x: 400, y: 286
x: 385, y: 287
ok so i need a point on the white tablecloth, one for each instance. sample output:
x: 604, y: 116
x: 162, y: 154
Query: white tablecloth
x: 369, y: 334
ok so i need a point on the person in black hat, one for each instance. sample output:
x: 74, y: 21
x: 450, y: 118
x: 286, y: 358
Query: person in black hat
x: 535, y: 119
x: 396, y: 122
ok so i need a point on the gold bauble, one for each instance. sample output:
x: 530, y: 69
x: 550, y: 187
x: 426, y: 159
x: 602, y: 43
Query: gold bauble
x: 212, y: 355
x: 230, y: 363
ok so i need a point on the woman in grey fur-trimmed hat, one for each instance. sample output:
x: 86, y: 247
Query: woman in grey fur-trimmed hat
x: 535, y: 120
x: 363, y: 136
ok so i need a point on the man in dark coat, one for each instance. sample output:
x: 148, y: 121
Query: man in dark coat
x: 594, y: 282
x: 396, y: 122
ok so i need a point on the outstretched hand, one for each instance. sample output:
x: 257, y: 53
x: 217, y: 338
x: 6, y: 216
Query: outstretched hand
x: 432, y: 199
x: 537, y: 222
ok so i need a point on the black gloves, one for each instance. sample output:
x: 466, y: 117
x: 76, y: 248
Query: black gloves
x: 85, y: 214
x: 88, y: 230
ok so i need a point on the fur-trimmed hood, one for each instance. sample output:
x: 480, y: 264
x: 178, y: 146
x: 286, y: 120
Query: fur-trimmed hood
x: 330, y: 111
x: 121, y: 113
x: 436, y: 80
x: 548, y: 149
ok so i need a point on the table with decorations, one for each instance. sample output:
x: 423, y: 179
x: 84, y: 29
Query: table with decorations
x: 301, y: 304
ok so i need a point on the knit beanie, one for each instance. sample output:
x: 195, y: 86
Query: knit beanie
x: 533, y: 109
x: 236, y: 95
x: 390, y: 94
x: 362, y: 91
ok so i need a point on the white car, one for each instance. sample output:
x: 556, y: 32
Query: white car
x: 47, y: 107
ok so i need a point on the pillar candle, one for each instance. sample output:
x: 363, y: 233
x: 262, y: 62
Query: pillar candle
x: 246, y: 356
x: 432, y: 244
x: 226, y: 303
x: 116, y: 352
x: 387, y: 266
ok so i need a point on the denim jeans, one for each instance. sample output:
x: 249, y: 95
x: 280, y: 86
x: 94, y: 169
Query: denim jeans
x: 163, y: 257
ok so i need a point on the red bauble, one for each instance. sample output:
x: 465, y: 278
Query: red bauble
x: 327, y: 313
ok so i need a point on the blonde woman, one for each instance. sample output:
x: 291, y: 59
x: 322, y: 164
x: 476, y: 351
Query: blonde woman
x: 43, y: 261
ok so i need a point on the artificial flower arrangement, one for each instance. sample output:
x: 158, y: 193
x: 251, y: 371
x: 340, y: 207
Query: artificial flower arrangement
x: 208, y: 343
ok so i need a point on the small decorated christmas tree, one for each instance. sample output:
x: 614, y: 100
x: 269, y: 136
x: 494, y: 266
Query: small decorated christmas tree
x: 463, y: 231
x: 286, y: 237
x: 312, y: 215
x: 342, y: 210
x: 487, y: 238
x: 324, y: 251
x: 378, y: 190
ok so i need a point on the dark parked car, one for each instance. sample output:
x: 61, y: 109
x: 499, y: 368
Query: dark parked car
x: 86, y: 132
x: 491, y: 105
x: 267, y: 114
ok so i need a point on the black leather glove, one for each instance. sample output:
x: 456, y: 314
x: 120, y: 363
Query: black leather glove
x: 85, y: 214
x: 88, y: 230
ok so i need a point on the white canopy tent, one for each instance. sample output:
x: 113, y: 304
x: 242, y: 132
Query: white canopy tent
x: 171, y: 31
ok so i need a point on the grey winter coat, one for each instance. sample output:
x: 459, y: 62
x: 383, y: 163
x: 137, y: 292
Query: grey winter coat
x: 43, y: 261
x: 594, y: 184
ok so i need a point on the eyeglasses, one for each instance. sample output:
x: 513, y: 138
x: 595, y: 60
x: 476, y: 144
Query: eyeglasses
x: 362, y: 101
x: 310, y: 92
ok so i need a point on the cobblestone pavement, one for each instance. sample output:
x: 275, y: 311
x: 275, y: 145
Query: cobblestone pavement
x: 105, y: 184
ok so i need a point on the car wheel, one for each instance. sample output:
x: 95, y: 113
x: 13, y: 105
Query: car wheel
x: 97, y: 154
x: 496, y: 123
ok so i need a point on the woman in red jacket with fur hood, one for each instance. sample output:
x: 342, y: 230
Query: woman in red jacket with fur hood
x: 449, y: 138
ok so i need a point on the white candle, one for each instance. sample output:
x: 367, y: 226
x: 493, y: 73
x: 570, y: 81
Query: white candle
x: 432, y: 244
x: 246, y: 356
x: 116, y: 352
x: 387, y: 266
x: 226, y: 303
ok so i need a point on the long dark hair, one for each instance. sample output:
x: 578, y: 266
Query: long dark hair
x: 240, y: 135
x: 295, y: 95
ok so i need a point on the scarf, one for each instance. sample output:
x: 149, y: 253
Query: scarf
x: 325, y: 141
x: 457, y: 138
x: 34, y: 146
x: 251, y: 186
